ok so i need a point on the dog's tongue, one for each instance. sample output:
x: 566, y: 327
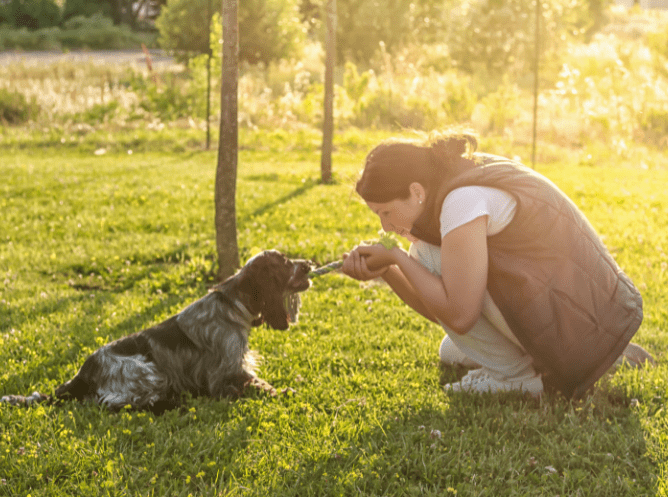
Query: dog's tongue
x: 292, y: 304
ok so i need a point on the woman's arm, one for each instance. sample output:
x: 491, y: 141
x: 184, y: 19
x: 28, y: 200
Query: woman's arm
x: 405, y: 291
x: 456, y: 297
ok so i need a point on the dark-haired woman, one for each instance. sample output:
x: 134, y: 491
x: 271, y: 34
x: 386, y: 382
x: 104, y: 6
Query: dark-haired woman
x: 523, y: 286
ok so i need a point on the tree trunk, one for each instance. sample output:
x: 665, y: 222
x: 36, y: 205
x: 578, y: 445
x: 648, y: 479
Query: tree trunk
x: 208, y: 77
x: 226, y: 172
x: 328, y: 120
x: 535, y: 85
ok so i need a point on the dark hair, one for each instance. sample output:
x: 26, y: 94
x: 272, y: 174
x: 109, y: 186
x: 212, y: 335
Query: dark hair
x: 392, y: 166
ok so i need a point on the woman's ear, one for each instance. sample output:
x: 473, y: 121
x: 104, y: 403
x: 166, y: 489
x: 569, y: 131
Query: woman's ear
x: 418, y: 192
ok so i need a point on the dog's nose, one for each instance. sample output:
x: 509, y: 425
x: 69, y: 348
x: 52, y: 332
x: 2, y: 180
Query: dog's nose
x: 304, y: 267
x: 307, y: 266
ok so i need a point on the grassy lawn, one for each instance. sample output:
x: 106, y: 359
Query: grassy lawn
x: 96, y: 247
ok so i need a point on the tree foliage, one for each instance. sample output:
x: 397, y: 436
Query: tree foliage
x: 268, y: 29
x: 32, y: 14
x: 498, y: 36
x: 494, y: 36
x: 182, y: 25
x: 363, y: 25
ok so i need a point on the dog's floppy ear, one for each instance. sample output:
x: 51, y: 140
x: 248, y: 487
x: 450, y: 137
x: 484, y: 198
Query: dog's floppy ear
x: 265, y: 282
x: 273, y: 311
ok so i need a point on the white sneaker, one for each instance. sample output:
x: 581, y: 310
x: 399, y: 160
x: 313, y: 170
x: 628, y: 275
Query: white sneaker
x: 452, y: 356
x: 479, y: 381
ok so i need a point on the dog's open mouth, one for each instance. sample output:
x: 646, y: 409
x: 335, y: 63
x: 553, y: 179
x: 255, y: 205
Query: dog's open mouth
x: 300, y: 285
x: 300, y: 281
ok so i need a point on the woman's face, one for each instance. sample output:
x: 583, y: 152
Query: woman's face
x: 398, y: 215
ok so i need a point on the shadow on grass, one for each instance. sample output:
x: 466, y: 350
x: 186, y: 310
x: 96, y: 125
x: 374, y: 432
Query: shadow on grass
x: 88, y: 276
x: 47, y: 366
x: 308, y: 185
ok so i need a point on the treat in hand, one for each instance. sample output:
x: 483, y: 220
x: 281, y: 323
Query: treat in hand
x: 387, y: 240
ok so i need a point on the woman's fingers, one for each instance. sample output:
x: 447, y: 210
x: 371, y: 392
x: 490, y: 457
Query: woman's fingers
x: 354, y: 265
x: 356, y: 262
x: 351, y: 264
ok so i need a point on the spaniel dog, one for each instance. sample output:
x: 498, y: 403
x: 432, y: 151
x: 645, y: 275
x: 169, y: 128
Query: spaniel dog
x: 203, y: 350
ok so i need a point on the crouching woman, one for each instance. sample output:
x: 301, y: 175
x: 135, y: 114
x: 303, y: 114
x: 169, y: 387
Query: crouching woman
x: 501, y: 258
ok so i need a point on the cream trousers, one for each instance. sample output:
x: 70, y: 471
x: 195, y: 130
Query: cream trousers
x: 490, y: 343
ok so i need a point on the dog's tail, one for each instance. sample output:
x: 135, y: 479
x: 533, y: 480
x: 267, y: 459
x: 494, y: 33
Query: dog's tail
x: 75, y: 389
x: 26, y: 400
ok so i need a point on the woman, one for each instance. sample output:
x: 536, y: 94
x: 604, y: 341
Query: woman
x: 503, y: 260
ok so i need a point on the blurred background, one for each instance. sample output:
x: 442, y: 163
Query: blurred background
x: 79, y: 66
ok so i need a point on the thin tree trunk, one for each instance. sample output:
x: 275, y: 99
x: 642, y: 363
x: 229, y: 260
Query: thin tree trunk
x: 208, y: 78
x: 226, y: 172
x: 535, y: 86
x: 328, y: 121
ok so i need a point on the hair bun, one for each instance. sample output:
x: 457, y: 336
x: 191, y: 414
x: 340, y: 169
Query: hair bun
x: 453, y: 145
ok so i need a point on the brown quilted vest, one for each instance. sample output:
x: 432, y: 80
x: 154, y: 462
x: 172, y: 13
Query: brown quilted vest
x: 565, y: 298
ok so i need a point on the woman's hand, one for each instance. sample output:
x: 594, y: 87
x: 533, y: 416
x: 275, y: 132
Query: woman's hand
x: 367, y: 262
x: 377, y: 256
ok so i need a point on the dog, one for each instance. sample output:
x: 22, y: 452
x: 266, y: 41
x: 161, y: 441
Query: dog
x: 203, y: 350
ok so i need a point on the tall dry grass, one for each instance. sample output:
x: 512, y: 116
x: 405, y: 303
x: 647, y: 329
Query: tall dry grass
x: 613, y: 90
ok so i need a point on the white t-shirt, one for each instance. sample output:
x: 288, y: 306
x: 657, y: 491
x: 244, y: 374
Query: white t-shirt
x: 461, y: 206
x: 467, y: 203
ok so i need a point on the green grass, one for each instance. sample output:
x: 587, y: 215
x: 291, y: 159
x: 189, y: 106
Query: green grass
x: 96, y: 247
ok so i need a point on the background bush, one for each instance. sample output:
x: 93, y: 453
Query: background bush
x: 654, y: 126
x: 15, y: 108
x: 86, y: 8
x: 33, y: 14
x: 182, y: 26
x: 5, y: 17
x: 95, y: 32
x: 22, y: 38
x: 269, y: 30
x: 497, y: 38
